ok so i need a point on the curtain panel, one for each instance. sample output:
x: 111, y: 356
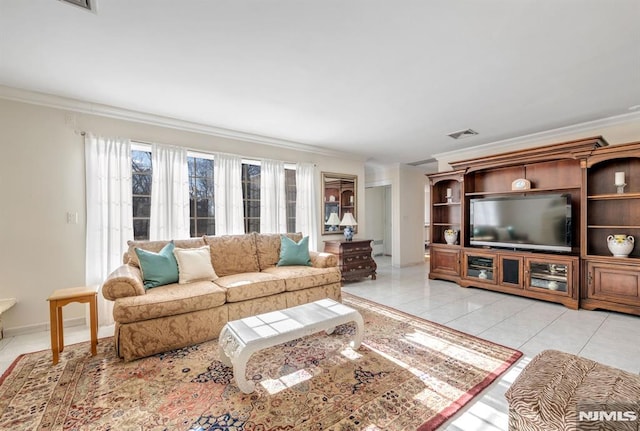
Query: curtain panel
x: 307, y: 207
x: 109, y: 211
x: 229, y: 211
x: 169, y: 193
x: 273, y: 202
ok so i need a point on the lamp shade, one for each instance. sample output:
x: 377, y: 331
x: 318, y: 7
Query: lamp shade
x: 333, y: 220
x: 348, y: 220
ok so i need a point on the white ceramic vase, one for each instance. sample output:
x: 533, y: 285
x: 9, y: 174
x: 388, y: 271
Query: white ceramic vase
x: 620, y: 245
x: 451, y: 236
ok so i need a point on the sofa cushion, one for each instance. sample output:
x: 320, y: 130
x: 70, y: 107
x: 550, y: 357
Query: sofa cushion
x: 294, y: 253
x: 250, y: 285
x: 268, y: 245
x: 303, y: 277
x: 131, y: 258
x: 169, y: 300
x: 194, y: 264
x: 233, y: 254
x: 158, y: 268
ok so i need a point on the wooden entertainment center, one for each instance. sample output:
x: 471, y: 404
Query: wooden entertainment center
x: 588, y: 276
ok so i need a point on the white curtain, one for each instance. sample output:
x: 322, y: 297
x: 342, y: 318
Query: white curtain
x: 307, y: 210
x: 273, y: 202
x: 169, y: 193
x: 229, y: 212
x: 109, y: 211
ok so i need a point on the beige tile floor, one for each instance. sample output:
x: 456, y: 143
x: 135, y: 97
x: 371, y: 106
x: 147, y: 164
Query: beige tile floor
x: 525, y: 324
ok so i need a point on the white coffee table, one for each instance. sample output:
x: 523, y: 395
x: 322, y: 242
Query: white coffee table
x: 241, y: 338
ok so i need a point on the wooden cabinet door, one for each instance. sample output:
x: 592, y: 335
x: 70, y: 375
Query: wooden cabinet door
x: 613, y: 283
x: 444, y: 260
x: 511, y: 272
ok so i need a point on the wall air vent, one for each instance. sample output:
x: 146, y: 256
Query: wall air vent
x: 85, y: 4
x: 461, y: 134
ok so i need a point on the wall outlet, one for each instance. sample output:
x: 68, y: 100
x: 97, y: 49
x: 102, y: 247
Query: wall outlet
x: 72, y: 217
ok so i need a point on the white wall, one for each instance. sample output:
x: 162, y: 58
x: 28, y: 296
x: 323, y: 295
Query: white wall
x: 409, y: 206
x: 42, y: 178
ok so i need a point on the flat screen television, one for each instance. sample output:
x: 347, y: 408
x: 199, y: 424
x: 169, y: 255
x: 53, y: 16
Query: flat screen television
x: 533, y: 222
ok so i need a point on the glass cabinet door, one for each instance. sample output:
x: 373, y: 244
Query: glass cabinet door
x: 548, y: 276
x: 480, y: 267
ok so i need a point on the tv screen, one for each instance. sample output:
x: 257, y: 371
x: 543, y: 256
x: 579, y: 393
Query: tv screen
x: 536, y: 222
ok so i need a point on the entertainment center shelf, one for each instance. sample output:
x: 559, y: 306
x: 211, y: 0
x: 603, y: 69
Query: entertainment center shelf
x: 521, y: 192
x: 581, y: 272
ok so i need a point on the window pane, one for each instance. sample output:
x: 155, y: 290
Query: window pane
x: 141, y: 206
x: 141, y: 184
x: 141, y: 161
x: 141, y: 229
x: 206, y: 227
x: 204, y: 208
x: 204, y: 168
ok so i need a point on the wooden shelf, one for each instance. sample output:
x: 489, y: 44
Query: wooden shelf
x: 446, y: 224
x: 595, y: 226
x: 512, y: 192
x: 445, y: 204
x: 615, y: 196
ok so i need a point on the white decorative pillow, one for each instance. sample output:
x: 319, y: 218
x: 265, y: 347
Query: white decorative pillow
x: 194, y: 264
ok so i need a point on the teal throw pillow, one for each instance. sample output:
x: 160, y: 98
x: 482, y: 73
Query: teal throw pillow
x: 294, y: 253
x: 158, y: 268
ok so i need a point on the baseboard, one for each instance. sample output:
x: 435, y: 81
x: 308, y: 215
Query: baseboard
x: 41, y: 327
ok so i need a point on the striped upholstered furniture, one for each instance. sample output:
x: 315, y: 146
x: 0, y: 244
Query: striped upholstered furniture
x: 555, y: 386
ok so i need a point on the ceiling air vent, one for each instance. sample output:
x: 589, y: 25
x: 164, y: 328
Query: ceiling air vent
x: 461, y: 134
x: 85, y: 4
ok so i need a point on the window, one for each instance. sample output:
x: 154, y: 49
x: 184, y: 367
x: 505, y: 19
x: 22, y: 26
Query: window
x: 201, y: 195
x: 141, y: 190
x: 290, y: 188
x: 251, y: 196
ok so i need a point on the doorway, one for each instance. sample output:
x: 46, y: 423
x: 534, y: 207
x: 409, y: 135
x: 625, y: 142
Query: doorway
x: 378, y: 210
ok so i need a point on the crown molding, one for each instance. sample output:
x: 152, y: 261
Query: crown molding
x: 69, y: 104
x: 550, y: 135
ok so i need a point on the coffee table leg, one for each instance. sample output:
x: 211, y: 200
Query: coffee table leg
x: 357, y: 338
x: 240, y: 370
x: 223, y: 357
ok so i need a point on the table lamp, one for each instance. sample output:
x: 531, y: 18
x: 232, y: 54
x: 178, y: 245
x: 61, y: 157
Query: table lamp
x: 348, y: 222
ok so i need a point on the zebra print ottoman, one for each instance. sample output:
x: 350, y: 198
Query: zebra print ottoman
x: 561, y: 391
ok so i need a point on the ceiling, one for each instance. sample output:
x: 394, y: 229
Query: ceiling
x: 386, y: 79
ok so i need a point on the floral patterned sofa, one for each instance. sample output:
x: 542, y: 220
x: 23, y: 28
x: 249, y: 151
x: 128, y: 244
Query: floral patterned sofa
x: 178, y: 315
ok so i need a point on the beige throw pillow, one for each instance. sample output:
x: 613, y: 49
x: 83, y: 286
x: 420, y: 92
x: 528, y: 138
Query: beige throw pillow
x: 194, y: 264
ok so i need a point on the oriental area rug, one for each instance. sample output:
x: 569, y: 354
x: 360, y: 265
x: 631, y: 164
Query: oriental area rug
x: 409, y: 374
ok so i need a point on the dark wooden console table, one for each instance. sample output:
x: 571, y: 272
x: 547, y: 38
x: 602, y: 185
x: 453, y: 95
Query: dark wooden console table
x: 354, y: 258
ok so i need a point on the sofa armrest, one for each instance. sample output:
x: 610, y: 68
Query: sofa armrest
x: 125, y: 281
x: 323, y: 260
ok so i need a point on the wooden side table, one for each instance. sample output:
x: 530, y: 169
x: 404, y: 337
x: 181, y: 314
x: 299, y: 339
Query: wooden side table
x: 354, y: 258
x: 61, y: 297
x: 5, y: 304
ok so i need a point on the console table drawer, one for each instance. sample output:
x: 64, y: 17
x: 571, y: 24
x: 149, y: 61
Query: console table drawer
x: 354, y: 258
